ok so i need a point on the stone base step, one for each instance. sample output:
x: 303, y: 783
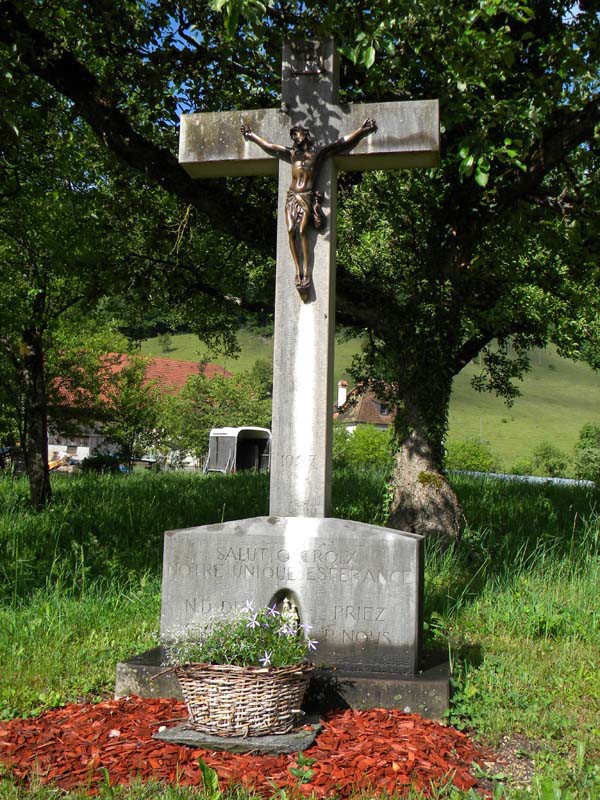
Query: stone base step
x: 426, y: 693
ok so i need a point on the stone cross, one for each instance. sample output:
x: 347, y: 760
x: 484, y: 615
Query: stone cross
x: 211, y: 146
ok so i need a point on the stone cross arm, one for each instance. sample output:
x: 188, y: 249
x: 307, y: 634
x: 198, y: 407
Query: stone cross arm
x: 211, y: 145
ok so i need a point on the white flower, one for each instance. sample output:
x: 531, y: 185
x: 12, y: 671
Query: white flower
x: 311, y: 644
x: 266, y: 659
x: 249, y: 607
x: 253, y: 622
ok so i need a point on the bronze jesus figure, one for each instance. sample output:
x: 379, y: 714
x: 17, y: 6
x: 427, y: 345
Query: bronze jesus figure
x: 303, y: 204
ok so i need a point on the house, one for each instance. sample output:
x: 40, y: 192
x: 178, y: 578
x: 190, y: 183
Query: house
x: 360, y: 407
x: 69, y: 439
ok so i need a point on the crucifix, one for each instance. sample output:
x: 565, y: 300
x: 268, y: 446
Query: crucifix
x: 303, y: 202
x: 219, y: 144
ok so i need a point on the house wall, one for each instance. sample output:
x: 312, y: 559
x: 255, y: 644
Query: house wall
x: 352, y: 426
x: 80, y: 446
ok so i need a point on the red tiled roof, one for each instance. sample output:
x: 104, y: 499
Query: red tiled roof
x: 169, y: 374
x: 364, y: 408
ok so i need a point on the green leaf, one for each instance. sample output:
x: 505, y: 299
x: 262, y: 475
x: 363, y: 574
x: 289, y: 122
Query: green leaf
x: 508, y: 57
x: 304, y: 774
x: 210, y: 779
x: 232, y: 20
x: 12, y: 125
x: 481, y: 177
x: 466, y: 165
x: 369, y: 58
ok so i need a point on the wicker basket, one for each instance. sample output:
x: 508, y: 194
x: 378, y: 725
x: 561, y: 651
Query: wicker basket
x: 227, y: 700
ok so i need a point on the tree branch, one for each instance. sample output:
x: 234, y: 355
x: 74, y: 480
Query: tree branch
x: 571, y: 130
x: 197, y: 285
x: 470, y: 349
x: 59, y: 68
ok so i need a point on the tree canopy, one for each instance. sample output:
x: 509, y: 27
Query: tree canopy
x: 217, y: 402
x: 500, y: 243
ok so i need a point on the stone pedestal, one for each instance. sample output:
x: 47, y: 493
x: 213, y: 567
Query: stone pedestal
x: 359, y: 587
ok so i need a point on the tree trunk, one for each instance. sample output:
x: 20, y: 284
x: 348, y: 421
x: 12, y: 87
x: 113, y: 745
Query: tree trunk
x: 36, y: 417
x: 423, y: 501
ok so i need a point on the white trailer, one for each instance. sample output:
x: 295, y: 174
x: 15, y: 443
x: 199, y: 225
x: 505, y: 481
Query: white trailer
x: 236, y: 449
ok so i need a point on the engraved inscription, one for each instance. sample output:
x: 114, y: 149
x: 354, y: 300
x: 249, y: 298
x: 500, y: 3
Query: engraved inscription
x: 251, y: 554
x: 359, y: 613
x: 376, y: 637
x: 192, y: 569
x: 318, y: 566
x: 288, y: 460
x: 344, y: 557
x: 281, y: 573
x: 359, y: 594
x: 306, y: 59
x: 202, y: 605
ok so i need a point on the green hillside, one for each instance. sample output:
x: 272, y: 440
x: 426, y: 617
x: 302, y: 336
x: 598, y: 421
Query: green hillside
x: 558, y: 395
x: 187, y: 347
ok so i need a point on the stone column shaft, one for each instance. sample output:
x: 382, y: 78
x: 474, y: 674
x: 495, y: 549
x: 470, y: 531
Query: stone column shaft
x: 305, y: 331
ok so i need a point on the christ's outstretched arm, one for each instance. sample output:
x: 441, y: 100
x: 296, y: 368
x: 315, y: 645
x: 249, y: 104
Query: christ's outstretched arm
x: 277, y: 150
x: 349, y: 141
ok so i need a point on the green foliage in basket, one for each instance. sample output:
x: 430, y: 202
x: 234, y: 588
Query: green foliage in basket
x: 267, y: 637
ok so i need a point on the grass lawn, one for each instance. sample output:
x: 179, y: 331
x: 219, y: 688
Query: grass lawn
x: 558, y: 396
x: 515, y: 604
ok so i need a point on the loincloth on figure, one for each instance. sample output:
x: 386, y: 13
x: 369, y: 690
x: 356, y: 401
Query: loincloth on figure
x: 298, y: 204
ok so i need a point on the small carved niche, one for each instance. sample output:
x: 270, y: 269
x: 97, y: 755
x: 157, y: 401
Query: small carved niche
x: 286, y: 599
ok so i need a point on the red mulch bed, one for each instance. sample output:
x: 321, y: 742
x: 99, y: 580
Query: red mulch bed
x: 377, y: 750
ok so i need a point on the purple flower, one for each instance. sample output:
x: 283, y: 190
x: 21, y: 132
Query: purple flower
x: 253, y: 622
x: 311, y: 644
x: 266, y: 659
x: 286, y: 630
x: 248, y: 607
x: 272, y: 611
x: 304, y: 626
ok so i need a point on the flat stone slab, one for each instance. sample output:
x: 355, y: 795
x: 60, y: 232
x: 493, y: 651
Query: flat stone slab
x: 427, y: 693
x: 293, y: 742
x: 359, y: 587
